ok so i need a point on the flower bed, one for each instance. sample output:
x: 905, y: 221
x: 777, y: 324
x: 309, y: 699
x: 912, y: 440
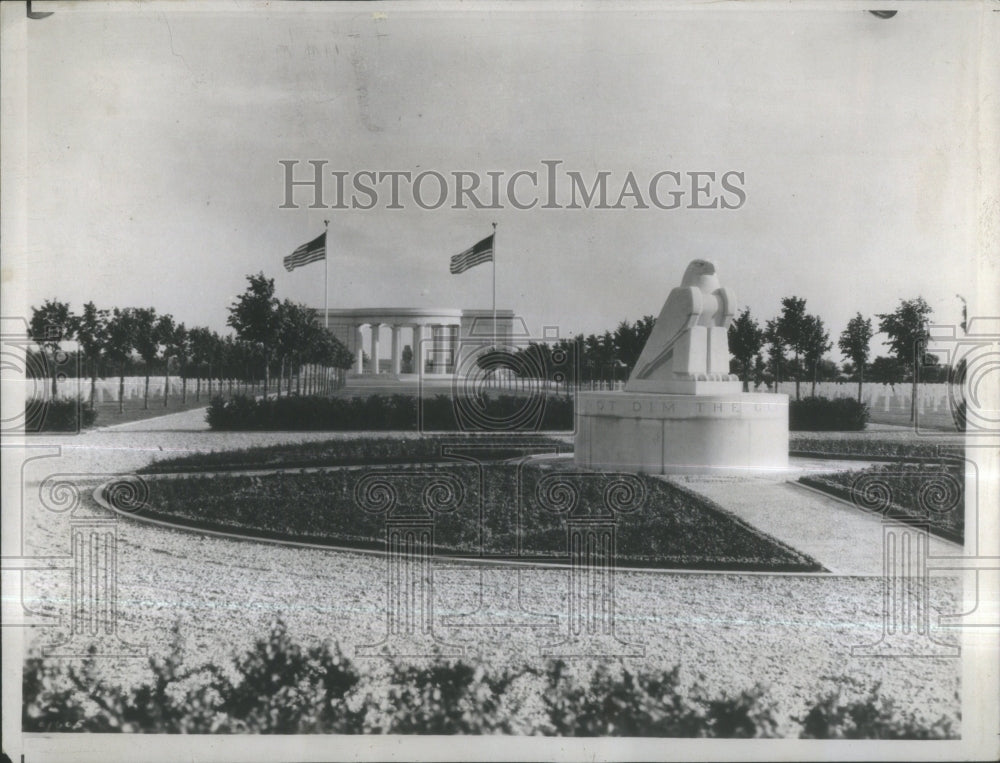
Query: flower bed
x: 368, y: 450
x: 900, y: 445
x: 928, y: 493
x: 480, y: 507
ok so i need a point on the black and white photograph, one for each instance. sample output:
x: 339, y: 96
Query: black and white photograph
x: 500, y: 380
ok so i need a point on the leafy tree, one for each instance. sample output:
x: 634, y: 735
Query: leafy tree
x: 179, y: 348
x: 854, y: 343
x: 792, y: 327
x: 629, y: 339
x: 775, y: 351
x: 165, y: 328
x: 886, y: 370
x: 146, y: 342
x: 91, y: 331
x: 254, y: 317
x: 908, y: 335
x: 815, y: 344
x: 121, y: 333
x: 760, y: 375
x: 200, y: 339
x: 745, y: 340
x: 51, y: 324
x: 827, y: 370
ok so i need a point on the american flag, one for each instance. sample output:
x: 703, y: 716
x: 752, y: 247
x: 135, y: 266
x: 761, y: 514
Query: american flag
x: 474, y: 255
x: 314, y: 251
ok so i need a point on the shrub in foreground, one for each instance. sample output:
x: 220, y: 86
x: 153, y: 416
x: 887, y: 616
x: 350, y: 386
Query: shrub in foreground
x: 281, y: 687
x: 60, y: 415
x: 872, y: 716
x: 818, y: 414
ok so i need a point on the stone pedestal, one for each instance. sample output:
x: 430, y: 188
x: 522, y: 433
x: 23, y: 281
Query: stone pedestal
x: 657, y: 433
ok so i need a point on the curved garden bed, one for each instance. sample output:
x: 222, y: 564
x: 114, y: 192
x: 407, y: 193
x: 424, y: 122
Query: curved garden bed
x: 500, y: 511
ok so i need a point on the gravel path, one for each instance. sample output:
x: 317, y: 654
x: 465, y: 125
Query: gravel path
x: 793, y: 633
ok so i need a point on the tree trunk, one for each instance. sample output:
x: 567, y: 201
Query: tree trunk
x: 798, y: 375
x: 145, y: 393
x: 93, y: 382
x: 861, y: 376
x: 166, y: 386
x: 197, y: 388
x: 209, y: 382
x: 184, y: 386
x: 121, y: 389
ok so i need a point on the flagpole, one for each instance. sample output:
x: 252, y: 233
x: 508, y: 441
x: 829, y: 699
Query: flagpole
x: 326, y: 274
x: 495, y: 332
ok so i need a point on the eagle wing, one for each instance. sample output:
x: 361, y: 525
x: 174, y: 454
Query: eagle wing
x: 727, y: 306
x: 680, y: 312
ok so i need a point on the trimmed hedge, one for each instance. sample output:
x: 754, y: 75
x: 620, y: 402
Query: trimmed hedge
x: 367, y: 450
x: 61, y: 415
x: 441, y: 413
x: 282, y: 687
x: 819, y: 414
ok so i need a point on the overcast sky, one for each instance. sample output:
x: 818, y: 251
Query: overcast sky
x: 155, y: 138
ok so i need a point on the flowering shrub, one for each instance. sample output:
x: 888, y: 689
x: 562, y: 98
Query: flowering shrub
x: 870, y: 716
x: 281, y: 687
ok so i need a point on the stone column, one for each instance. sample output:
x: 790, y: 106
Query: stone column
x: 396, y: 350
x: 454, y: 332
x: 360, y: 348
x: 374, y: 352
x: 437, y: 346
x: 418, y: 348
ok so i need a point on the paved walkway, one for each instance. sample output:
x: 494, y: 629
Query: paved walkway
x: 844, y: 539
x: 192, y: 420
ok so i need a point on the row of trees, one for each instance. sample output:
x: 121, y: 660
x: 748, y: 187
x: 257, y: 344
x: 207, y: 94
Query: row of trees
x: 761, y: 352
x: 791, y: 346
x: 270, y: 335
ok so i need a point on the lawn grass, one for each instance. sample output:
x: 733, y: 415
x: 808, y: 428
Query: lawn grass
x: 673, y: 528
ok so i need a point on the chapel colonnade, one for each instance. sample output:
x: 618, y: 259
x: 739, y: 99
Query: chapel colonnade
x: 379, y: 337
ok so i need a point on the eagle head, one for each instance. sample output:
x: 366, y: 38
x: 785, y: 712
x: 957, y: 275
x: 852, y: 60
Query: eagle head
x: 696, y: 271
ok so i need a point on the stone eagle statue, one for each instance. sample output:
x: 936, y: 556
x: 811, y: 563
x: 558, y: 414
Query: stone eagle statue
x: 688, y: 349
